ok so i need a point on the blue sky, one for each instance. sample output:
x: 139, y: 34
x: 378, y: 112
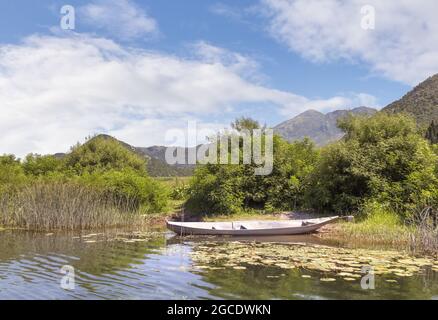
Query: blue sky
x: 267, y: 59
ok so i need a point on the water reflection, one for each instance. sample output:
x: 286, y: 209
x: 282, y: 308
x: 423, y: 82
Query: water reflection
x: 155, y: 265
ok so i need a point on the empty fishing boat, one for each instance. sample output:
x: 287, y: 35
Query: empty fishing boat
x: 250, y: 228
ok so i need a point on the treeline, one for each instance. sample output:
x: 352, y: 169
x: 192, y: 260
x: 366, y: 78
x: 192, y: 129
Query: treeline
x: 101, y: 173
x: 383, y: 163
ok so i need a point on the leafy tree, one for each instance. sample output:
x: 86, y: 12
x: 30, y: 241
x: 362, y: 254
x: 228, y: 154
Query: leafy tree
x: 382, y: 158
x: 141, y: 192
x: 11, y: 173
x: 104, y: 153
x: 432, y: 133
x: 37, y: 165
x: 244, y: 123
x: 230, y: 188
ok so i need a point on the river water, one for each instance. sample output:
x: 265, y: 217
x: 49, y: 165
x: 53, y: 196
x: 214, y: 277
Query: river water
x: 158, y: 265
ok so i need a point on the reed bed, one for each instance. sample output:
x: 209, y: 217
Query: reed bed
x: 418, y: 235
x: 363, y: 234
x: 425, y: 237
x: 65, y: 206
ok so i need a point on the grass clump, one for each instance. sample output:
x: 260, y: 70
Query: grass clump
x: 379, y: 228
x: 64, y: 206
x: 99, y: 184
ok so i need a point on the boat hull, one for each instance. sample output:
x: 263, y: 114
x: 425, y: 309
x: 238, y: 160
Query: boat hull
x: 250, y: 228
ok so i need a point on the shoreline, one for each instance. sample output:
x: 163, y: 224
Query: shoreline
x: 342, y: 233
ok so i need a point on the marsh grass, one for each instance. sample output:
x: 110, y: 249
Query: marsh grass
x: 425, y: 237
x: 380, y: 228
x: 418, y: 235
x: 65, y: 206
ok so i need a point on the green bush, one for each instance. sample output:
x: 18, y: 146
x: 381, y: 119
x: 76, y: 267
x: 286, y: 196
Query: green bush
x: 11, y: 173
x: 180, y: 192
x: 104, y: 153
x: 102, y: 164
x: 146, y: 194
x: 216, y: 189
x: 225, y: 189
x: 37, y: 165
x: 381, y: 158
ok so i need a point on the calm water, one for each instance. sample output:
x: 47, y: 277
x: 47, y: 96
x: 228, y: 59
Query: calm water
x: 110, y: 266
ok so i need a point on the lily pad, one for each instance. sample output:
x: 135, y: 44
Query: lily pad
x: 327, y: 279
x: 349, y: 279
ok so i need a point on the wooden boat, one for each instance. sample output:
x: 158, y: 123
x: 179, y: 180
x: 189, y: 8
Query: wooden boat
x: 250, y: 228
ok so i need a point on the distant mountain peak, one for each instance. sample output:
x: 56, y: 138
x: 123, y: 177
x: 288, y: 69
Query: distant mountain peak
x: 321, y: 128
x: 311, y: 112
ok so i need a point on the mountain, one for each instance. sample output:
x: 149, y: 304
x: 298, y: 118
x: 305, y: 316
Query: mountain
x: 421, y: 102
x: 158, y: 167
x: 321, y: 128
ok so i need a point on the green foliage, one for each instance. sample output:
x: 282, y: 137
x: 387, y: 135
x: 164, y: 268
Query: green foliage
x: 11, y: 173
x: 432, y: 133
x: 145, y: 194
x: 104, y: 153
x: 234, y: 188
x: 37, y: 165
x: 243, y: 123
x: 216, y: 189
x: 180, y: 192
x: 102, y: 164
x: 381, y: 158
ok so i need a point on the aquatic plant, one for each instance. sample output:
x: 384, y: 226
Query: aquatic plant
x: 425, y: 237
x: 333, y: 262
x: 66, y: 206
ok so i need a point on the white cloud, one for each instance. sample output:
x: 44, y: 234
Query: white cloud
x: 55, y: 91
x: 122, y: 18
x: 228, y: 11
x: 402, y: 47
x: 239, y: 63
x: 347, y: 101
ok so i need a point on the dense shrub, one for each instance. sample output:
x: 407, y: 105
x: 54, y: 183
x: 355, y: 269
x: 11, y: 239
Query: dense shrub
x: 104, y: 153
x: 224, y: 189
x: 216, y: 189
x: 107, y: 176
x: 37, y: 165
x: 381, y: 158
x: 11, y: 173
x: 148, y: 195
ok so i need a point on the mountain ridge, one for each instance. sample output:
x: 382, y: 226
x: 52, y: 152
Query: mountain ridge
x: 321, y: 128
x: 420, y: 102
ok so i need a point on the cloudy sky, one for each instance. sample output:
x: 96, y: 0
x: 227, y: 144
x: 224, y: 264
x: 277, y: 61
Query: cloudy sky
x: 138, y: 68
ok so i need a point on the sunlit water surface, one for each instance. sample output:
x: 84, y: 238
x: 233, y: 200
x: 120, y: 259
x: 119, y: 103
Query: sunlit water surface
x: 157, y: 265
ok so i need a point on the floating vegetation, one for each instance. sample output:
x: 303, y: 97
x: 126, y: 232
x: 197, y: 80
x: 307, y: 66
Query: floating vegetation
x: 327, y: 279
x: 125, y: 237
x: 239, y: 267
x: 345, y: 263
x: 349, y: 279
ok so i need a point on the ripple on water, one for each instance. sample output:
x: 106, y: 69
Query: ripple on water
x: 115, y: 267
